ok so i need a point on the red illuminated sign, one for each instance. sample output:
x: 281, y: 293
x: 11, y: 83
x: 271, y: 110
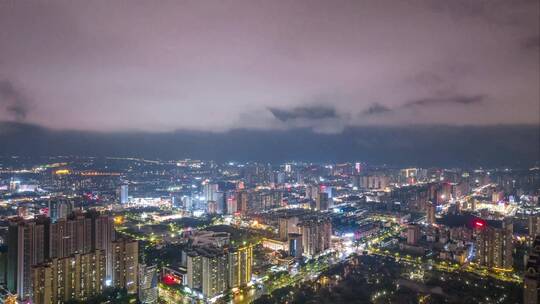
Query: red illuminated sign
x: 170, y: 279
x: 478, y: 223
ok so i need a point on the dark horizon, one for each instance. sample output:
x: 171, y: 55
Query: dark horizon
x: 413, y: 145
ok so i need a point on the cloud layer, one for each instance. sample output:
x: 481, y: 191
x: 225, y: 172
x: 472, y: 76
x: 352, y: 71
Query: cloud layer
x: 272, y: 65
x: 402, y: 146
x: 13, y: 101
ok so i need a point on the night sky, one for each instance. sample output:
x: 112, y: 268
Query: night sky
x: 322, y: 67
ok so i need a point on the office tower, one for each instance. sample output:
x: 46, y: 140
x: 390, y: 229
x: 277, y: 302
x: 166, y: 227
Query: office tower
x: 76, y: 277
x: 124, y: 192
x: 534, y: 226
x: 240, y: 264
x: 27, y: 243
x: 148, y: 288
x: 531, y: 280
x: 430, y: 213
x: 494, y: 245
x: 295, y: 245
x: 125, y: 258
x: 322, y: 202
x: 316, y: 236
x: 413, y: 234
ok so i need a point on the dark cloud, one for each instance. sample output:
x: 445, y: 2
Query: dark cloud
x: 13, y: 100
x: 531, y: 43
x: 304, y: 112
x: 376, y: 109
x: 430, y: 145
x: 458, y: 100
x: 454, y: 100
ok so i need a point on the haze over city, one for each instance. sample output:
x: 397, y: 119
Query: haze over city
x: 269, y: 152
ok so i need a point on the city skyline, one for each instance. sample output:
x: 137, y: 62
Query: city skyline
x: 174, y: 231
x: 270, y: 152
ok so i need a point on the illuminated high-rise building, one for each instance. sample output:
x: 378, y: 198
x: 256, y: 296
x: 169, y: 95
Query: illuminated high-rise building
x: 38, y: 241
x: 102, y: 237
x: 124, y: 192
x: 413, y: 234
x: 494, y: 244
x: 377, y: 182
x: 148, y: 284
x: 242, y: 198
x: 211, y: 207
x: 232, y: 206
x: 322, y: 202
x: 287, y: 225
x: 76, y: 277
x: 214, y: 266
x: 288, y: 168
x: 14, y: 185
x: 316, y: 236
x: 207, y: 270
x: 534, y: 226
x: 240, y: 264
x: 27, y: 242
x: 209, y: 191
x: 295, y: 245
x: 430, y: 213
x: 312, y: 191
x: 221, y: 203
x: 280, y: 178
x: 357, y: 168
x: 125, y: 256
x: 60, y: 209
x: 531, y: 280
